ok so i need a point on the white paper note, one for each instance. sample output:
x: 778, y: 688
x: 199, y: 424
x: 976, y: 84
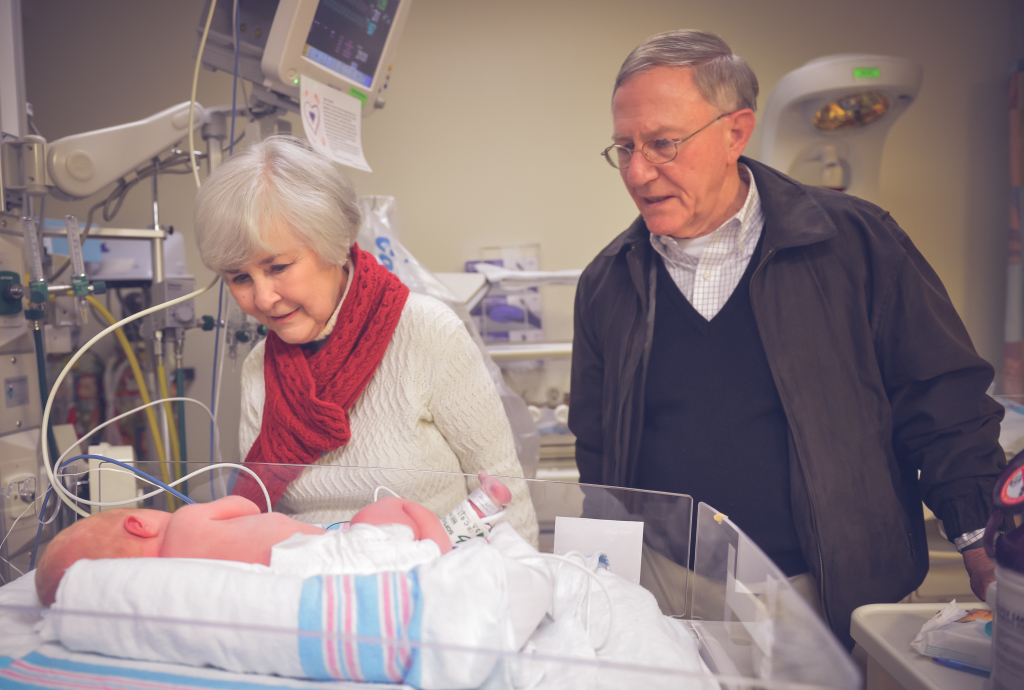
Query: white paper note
x: 333, y: 123
x: 622, y: 541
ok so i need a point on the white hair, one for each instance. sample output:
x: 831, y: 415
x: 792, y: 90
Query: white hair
x: 724, y: 79
x: 279, y: 183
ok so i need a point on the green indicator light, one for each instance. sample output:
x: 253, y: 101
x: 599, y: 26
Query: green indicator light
x: 866, y: 73
x: 356, y: 93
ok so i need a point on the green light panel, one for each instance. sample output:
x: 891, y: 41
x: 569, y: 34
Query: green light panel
x: 866, y: 73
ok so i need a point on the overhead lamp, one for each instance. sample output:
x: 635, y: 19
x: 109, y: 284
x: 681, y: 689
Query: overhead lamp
x: 825, y: 124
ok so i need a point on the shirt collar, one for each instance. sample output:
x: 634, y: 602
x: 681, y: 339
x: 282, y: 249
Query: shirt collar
x: 689, y: 249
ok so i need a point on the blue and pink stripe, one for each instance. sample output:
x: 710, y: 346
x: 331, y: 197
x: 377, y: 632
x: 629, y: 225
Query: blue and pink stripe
x: 36, y: 671
x: 356, y: 627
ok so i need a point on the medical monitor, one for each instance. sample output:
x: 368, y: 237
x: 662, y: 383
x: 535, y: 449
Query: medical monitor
x: 346, y: 44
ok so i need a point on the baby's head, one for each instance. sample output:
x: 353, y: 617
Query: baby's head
x: 98, y: 536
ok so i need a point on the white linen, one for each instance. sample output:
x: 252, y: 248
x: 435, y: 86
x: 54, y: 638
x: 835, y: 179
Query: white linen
x: 465, y: 605
x: 361, y: 549
x: 530, y: 589
x: 640, y: 637
x: 491, y: 598
x: 243, y: 606
x: 17, y: 637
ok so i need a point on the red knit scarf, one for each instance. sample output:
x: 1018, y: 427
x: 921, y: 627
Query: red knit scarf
x: 308, y: 398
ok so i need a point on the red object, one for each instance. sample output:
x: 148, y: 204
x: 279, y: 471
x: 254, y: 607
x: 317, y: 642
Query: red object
x: 308, y: 398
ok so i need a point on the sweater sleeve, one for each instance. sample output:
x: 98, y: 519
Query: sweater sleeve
x: 252, y: 398
x: 467, y: 410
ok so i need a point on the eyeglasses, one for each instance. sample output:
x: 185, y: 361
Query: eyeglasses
x: 657, y: 151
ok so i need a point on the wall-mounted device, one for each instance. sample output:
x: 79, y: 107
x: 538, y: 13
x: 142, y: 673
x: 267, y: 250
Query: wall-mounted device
x: 825, y: 123
x: 347, y: 44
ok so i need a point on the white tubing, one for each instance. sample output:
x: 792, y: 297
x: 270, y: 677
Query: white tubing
x: 593, y: 576
x: 121, y: 416
x: 58, y: 489
x: 205, y: 468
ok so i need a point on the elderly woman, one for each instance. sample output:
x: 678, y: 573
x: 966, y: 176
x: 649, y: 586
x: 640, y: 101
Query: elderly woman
x: 355, y: 371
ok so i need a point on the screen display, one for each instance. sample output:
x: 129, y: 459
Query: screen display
x: 348, y: 36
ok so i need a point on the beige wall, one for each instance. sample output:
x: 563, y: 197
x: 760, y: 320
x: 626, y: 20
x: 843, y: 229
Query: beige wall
x: 498, y: 110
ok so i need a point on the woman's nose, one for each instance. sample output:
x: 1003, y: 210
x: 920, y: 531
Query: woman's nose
x: 265, y: 295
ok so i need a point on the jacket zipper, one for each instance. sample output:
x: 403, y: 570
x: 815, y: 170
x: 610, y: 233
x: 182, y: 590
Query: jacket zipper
x: 807, y: 490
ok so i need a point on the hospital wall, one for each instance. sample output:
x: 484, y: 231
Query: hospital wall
x: 498, y: 110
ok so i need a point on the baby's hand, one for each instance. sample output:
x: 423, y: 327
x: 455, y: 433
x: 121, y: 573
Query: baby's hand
x: 495, y: 489
x: 402, y: 511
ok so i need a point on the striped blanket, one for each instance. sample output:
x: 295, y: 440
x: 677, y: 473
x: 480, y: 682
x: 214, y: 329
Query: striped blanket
x: 54, y: 668
x: 248, y: 618
x: 363, y: 609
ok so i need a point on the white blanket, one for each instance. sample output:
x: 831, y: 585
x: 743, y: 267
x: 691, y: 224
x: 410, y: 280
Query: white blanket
x: 637, y: 639
x: 18, y: 614
x: 361, y: 549
x: 478, y: 606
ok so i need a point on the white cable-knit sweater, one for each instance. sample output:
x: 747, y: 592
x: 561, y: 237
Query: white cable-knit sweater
x: 431, y: 405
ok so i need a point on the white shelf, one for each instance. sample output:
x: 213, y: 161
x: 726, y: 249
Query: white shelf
x: 522, y: 351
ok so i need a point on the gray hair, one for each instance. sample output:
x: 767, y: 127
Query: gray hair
x: 724, y: 79
x: 278, y: 182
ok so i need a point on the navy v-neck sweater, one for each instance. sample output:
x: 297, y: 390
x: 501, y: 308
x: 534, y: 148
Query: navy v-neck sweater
x: 714, y: 427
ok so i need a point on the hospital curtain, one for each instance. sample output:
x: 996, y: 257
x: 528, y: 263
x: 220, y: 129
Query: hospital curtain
x: 1013, y: 346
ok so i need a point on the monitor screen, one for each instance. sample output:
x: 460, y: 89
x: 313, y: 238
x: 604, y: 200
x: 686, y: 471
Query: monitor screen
x: 348, y: 36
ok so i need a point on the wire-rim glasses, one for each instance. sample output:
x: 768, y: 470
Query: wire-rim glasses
x: 657, y: 151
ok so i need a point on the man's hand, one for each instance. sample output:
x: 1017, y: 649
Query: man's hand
x: 981, y: 570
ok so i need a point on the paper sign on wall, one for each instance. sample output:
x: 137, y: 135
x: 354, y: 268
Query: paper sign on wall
x: 622, y: 541
x: 333, y: 123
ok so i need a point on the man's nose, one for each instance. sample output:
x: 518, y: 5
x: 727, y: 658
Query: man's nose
x: 640, y: 170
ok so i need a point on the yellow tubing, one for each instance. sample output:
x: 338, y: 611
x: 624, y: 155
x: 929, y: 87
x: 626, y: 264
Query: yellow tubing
x: 65, y: 495
x: 133, y: 362
x: 172, y: 430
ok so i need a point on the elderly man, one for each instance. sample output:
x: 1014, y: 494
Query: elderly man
x: 779, y: 351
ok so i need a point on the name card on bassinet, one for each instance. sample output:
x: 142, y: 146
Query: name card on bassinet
x: 620, y: 540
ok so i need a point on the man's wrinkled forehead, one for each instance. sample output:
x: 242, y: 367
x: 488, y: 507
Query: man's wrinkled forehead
x: 658, y: 102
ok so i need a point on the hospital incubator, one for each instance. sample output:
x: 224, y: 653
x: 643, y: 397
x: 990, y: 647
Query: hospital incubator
x: 611, y: 599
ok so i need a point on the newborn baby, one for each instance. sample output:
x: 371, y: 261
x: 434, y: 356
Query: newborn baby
x: 230, y: 529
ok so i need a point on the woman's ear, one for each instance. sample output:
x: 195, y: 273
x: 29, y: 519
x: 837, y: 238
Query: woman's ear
x: 141, y: 526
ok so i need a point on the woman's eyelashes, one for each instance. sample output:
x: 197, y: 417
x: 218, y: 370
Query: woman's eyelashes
x: 275, y: 269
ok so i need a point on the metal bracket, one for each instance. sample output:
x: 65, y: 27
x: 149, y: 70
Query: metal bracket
x: 10, y: 200
x: 24, y: 165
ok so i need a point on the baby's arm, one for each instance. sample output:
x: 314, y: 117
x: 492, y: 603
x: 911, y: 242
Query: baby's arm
x: 225, y: 508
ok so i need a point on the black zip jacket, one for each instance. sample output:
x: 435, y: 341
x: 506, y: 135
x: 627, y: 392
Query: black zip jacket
x: 876, y: 372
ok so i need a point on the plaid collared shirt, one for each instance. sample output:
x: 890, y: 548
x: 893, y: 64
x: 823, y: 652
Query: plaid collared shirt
x: 707, y: 269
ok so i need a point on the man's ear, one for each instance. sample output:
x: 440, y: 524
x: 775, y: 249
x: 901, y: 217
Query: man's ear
x: 742, y: 128
x: 141, y: 526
